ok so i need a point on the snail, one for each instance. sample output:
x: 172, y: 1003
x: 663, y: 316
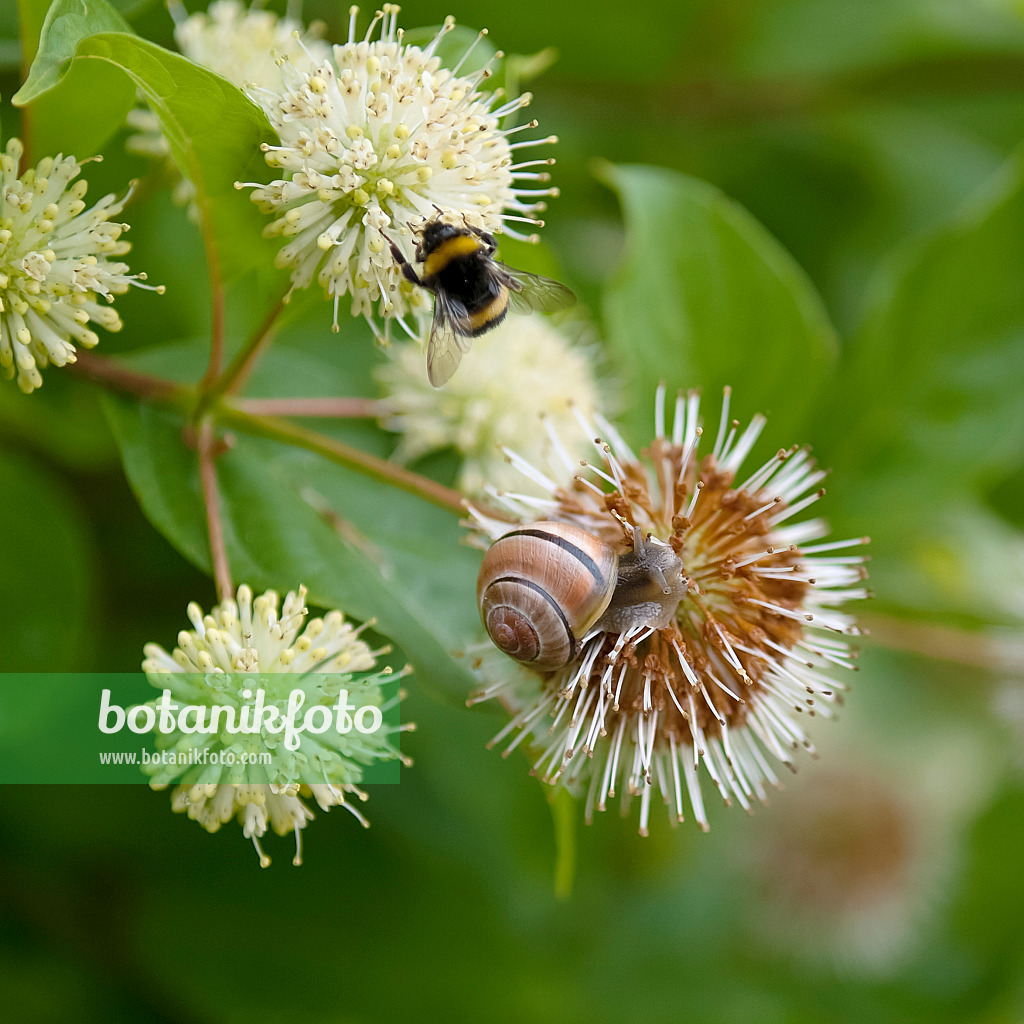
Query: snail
x: 544, y: 586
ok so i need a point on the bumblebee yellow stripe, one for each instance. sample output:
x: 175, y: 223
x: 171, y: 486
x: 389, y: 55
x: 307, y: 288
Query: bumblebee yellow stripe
x: 450, y: 249
x: 488, y: 316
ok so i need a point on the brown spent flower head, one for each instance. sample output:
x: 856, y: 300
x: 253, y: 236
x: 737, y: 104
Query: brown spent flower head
x: 721, y: 670
x: 855, y: 866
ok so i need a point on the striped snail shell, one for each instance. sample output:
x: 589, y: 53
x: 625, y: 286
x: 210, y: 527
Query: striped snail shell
x: 541, y: 587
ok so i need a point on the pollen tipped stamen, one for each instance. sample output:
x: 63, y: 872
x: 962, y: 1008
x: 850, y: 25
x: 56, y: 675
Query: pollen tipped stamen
x: 723, y: 456
x: 472, y: 46
x: 698, y: 487
x: 597, y: 471
x: 685, y: 463
x: 764, y: 508
x: 264, y: 859
x: 834, y: 546
x: 760, y: 477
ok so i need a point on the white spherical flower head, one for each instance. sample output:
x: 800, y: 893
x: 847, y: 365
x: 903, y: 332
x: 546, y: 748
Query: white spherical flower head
x: 719, y: 633
x: 524, y: 384
x: 57, y: 275
x: 217, y: 661
x: 244, y: 44
x: 375, y: 142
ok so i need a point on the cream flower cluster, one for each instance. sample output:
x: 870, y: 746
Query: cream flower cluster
x: 555, y: 391
x: 57, y: 272
x: 261, y: 635
x: 377, y: 141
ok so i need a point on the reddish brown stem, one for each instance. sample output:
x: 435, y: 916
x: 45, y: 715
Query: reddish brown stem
x: 119, y: 378
x: 216, y: 327
x: 234, y: 377
x: 325, y: 408
x: 211, y: 499
x: 345, y: 455
x: 977, y: 648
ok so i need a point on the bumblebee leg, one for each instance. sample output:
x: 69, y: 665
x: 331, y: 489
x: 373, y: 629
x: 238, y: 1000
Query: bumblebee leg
x: 486, y: 237
x: 403, y: 264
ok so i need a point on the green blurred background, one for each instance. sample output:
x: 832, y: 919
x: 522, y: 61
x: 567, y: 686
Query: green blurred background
x: 885, y: 882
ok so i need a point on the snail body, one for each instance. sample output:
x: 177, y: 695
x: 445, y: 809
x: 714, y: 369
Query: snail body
x: 542, y: 587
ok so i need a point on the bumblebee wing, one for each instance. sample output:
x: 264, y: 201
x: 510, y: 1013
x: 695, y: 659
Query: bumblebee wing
x: 445, y: 346
x: 528, y: 292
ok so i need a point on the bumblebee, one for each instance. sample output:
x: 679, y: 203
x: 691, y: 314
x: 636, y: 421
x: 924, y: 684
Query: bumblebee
x: 472, y: 291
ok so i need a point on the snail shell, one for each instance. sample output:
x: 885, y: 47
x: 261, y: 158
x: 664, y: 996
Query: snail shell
x: 541, y: 587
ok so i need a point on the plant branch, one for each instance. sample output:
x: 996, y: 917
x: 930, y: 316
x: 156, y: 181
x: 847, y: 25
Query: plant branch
x: 211, y: 499
x: 237, y: 373
x: 344, y: 455
x: 324, y: 408
x: 564, y: 810
x: 216, y: 327
x: 984, y: 649
x: 216, y: 360
x: 113, y: 377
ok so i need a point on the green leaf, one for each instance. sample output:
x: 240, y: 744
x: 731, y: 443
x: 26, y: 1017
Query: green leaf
x: 92, y: 99
x: 214, y: 131
x: 955, y: 561
x: 292, y: 517
x: 705, y: 297
x: 67, y: 23
x: 929, y: 407
x: 62, y: 422
x: 47, y: 566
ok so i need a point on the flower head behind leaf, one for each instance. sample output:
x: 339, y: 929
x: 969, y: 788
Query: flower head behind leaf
x: 722, y: 671
x: 524, y: 385
x: 374, y: 141
x: 58, y: 276
x: 245, y: 44
x: 217, y: 662
x: 239, y: 43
